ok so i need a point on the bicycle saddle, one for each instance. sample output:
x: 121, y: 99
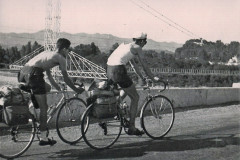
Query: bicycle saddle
x: 24, y: 87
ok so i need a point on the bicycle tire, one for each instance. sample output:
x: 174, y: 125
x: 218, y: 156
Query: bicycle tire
x: 100, y: 133
x: 15, y: 140
x: 157, y: 116
x: 68, y: 120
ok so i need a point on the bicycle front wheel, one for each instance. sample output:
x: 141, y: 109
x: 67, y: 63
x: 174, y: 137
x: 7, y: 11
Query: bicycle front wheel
x: 100, y: 133
x: 68, y: 123
x: 15, y: 140
x: 157, y: 116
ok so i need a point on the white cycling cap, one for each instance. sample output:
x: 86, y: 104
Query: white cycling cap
x: 139, y: 35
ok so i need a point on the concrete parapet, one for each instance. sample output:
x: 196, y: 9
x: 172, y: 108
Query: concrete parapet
x: 185, y: 97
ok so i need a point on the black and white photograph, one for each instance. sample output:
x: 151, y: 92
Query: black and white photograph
x: 120, y: 79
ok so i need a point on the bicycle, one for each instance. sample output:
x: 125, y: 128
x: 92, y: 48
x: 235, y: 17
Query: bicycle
x: 156, y: 118
x: 15, y: 140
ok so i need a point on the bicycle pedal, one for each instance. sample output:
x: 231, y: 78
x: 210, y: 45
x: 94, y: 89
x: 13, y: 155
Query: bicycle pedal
x: 14, y: 139
x: 104, y: 127
x: 126, y: 123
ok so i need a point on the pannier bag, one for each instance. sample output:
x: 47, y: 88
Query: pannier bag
x: 105, y: 107
x: 11, y: 95
x: 15, y: 107
x: 102, y: 96
x: 16, y: 115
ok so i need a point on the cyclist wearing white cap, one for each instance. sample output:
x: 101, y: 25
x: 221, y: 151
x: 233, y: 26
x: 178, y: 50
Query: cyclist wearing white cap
x: 116, y: 71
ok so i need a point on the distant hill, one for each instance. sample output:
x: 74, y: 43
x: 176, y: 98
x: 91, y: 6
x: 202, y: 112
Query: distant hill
x: 103, y: 41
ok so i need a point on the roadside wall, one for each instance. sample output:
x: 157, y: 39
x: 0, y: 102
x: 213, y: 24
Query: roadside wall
x: 184, y: 97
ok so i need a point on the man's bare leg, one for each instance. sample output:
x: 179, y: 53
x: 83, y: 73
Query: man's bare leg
x: 42, y: 102
x: 133, y: 95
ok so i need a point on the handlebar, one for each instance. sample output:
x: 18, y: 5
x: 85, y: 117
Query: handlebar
x: 63, y: 85
x: 80, y: 85
x: 149, y: 82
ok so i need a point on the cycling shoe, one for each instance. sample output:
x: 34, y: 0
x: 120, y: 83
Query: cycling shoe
x: 136, y: 132
x: 50, y: 142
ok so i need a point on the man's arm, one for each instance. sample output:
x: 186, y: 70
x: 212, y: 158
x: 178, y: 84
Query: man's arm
x: 52, y: 81
x: 137, y: 50
x: 146, y: 68
x: 69, y: 82
x: 139, y: 54
x: 136, y: 68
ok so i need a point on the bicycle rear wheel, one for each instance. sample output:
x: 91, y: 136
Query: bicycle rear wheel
x: 68, y: 123
x: 157, y: 116
x: 100, y: 133
x: 15, y: 140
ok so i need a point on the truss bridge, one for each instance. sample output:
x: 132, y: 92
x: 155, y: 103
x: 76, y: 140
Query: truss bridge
x: 78, y: 66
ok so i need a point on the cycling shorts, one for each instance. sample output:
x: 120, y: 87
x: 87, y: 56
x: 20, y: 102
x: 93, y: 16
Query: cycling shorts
x: 34, y: 79
x: 118, y: 74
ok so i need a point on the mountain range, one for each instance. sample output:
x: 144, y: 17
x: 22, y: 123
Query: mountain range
x: 103, y: 41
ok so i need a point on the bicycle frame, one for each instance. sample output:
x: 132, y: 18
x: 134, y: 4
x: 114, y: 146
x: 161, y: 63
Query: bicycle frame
x: 54, y: 108
x: 147, y: 98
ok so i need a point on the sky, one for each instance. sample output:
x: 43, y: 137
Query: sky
x: 163, y: 20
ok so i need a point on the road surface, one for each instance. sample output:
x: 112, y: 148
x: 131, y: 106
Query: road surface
x: 204, y: 133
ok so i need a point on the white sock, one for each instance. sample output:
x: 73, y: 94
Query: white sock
x: 43, y: 136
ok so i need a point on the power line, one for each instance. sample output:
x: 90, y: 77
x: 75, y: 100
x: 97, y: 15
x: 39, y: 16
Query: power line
x: 174, y: 25
x: 168, y: 18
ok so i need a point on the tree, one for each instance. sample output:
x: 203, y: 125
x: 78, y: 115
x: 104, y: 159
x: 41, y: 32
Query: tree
x: 2, y: 55
x: 202, y: 54
x: 28, y: 48
x: 114, y: 46
x: 95, y: 49
x: 23, y: 51
x: 35, y: 46
x: 13, y: 54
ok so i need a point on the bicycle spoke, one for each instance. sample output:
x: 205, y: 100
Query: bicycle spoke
x: 69, y: 118
x: 157, y: 117
x: 100, y: 133
x: 15, y: 140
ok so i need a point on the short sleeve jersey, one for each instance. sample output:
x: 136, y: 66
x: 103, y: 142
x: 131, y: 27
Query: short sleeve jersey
x: 121, y: 56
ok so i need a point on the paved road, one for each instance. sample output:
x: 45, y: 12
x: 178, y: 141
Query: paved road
x: 211, y: 133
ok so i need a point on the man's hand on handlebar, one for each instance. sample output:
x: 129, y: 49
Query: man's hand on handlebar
x: 156, y: 79
x: 80, y: 87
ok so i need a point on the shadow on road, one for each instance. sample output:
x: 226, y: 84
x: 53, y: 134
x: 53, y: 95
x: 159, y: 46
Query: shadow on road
x: 138, y: 149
